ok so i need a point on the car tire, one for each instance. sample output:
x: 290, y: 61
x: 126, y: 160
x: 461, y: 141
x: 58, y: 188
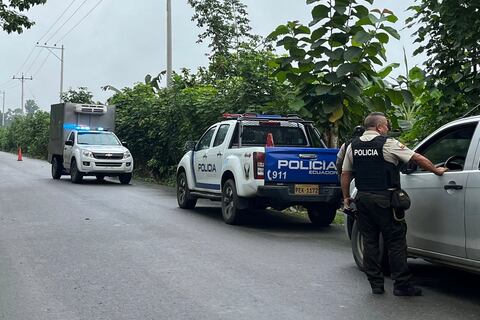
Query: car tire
x: 184, y: 199
x: 357, y: 250
x: 322, y: 214
x: 75, y: 175
x: 57, y: 168
x: 230, y: 203
x: 125, y: 178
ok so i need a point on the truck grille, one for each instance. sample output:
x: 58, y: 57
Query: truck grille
x: 108, y: 164
x: 108, y: 156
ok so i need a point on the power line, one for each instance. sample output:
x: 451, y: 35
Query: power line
x: 81, y: 20
x: 56, y: 21
x: 58, y: 30
x: 41, y: 65
x: 33, y: 61
x: 25, y: 62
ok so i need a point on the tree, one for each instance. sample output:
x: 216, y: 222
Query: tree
x: 31, y: 106
x: 448, y: 32
x: 11, y: 19
x: 82, y: 95
x: 333, y: 64
x: 227, y: 26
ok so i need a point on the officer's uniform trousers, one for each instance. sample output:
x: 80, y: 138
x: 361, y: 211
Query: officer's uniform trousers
x: 375, y: 216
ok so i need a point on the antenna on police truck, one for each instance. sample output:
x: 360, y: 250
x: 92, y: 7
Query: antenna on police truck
x: 471, y: 110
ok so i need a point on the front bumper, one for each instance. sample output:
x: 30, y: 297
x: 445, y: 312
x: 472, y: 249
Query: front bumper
x: 94, y: 166
x: 285, y: 195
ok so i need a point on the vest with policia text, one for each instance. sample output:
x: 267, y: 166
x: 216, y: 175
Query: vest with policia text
x: 372, y: 172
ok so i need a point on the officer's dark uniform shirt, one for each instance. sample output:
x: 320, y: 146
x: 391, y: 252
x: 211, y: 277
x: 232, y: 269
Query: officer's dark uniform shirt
x: 393, y: 151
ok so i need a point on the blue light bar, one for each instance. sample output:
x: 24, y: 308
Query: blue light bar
x: 269, y: 116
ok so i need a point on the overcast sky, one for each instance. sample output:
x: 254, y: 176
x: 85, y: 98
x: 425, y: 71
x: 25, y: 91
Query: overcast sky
x: 123, y: 40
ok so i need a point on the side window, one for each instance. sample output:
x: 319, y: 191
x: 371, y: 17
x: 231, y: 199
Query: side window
x: 221, y: 134
x: 71, y: 136
x: 204, y: 142
x: 452, y: 144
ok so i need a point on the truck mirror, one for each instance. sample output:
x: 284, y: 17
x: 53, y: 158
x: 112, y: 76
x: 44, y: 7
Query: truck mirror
x: 190, y: 145
x: 69, y: 143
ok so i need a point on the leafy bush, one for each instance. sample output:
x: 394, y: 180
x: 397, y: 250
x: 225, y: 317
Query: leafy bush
x: 29, y: 132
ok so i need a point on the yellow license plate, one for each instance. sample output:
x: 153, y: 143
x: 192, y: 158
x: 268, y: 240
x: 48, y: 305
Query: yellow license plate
x: 307, y: 189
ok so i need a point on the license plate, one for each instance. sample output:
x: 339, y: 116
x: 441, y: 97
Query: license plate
x: 307, y: 189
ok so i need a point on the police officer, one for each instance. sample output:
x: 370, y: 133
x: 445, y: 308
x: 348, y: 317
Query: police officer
x: 357, y: 132
x: 372, y: 160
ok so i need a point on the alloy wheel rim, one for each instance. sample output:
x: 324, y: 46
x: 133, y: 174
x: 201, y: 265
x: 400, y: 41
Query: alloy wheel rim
x: 181, y: 189
x: 228, y: 201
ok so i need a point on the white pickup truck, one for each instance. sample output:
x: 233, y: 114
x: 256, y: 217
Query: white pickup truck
x: 257, y: 161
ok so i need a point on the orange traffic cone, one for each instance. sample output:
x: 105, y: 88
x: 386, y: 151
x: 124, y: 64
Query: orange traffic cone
x: 20, y: 154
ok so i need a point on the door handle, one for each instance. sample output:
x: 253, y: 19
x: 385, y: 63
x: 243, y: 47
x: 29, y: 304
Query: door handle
x: 219, y: 154
x: 453, y: 187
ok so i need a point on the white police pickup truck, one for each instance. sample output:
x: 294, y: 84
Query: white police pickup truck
x: 255, y: 161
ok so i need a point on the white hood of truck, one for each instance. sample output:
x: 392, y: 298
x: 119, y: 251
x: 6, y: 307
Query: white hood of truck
x: 105, y: 149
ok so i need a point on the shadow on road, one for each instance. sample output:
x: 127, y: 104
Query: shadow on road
x: 90, y: 181
x: 267, y: 220
x: 445, y: 280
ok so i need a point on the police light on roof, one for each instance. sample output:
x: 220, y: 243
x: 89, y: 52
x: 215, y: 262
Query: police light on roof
x: 251, y: 115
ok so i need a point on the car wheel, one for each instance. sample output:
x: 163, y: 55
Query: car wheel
x: 75, y: 175
x: 125, y: 178
x: 57, y: 168
x: 322, y: 214
x: 358, y: 249
x: 184, y: 199
x: 230, y: 212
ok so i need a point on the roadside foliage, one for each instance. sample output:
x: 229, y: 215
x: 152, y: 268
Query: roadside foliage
x: 338, y: 64
x: 334, y: 71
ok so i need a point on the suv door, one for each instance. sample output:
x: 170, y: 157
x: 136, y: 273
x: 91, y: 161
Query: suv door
x: 472, y: 206
x: 215, y: 156
x: 436, y: 220
x: 201, y: 166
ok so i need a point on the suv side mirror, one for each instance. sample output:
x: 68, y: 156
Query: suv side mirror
x: 190, y: 145
x: 69, y: 143
x: 410, y: 167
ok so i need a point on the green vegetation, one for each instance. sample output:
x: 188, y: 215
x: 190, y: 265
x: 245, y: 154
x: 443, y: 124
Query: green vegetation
x: 334, y: 71
x: 11, y: 19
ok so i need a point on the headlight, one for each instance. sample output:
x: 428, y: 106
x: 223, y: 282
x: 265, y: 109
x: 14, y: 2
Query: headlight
x: 126, y: 155
x: 87, y: 154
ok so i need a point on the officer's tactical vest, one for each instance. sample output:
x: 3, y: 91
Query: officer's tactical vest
x: 371, y: 171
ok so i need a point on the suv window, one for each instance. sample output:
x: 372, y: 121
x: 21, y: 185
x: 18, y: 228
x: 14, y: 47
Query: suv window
x: 221, y: 134
x: 451, y: 142
x: 204, y: 142
x: 71, y: 137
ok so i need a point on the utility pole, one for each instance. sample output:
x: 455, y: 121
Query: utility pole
x: 3, y: 110
x: 169, y: 43
x: 61, y: 58
x: 22, y: 79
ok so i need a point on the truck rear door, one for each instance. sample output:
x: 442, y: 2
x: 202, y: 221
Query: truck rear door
x: 306, y: 168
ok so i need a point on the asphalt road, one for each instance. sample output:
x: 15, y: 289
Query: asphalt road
x: 108, y: 251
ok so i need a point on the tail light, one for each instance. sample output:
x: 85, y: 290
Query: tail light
x: 259, y: 165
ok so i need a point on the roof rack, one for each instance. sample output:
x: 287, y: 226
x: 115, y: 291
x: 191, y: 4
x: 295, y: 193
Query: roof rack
x: 255, y: 116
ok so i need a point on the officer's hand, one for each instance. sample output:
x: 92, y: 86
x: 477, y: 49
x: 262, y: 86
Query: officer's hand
x: 347, y: 202
x: 439, y: 171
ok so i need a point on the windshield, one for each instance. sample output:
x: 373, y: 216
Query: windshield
x: 97, y: 138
